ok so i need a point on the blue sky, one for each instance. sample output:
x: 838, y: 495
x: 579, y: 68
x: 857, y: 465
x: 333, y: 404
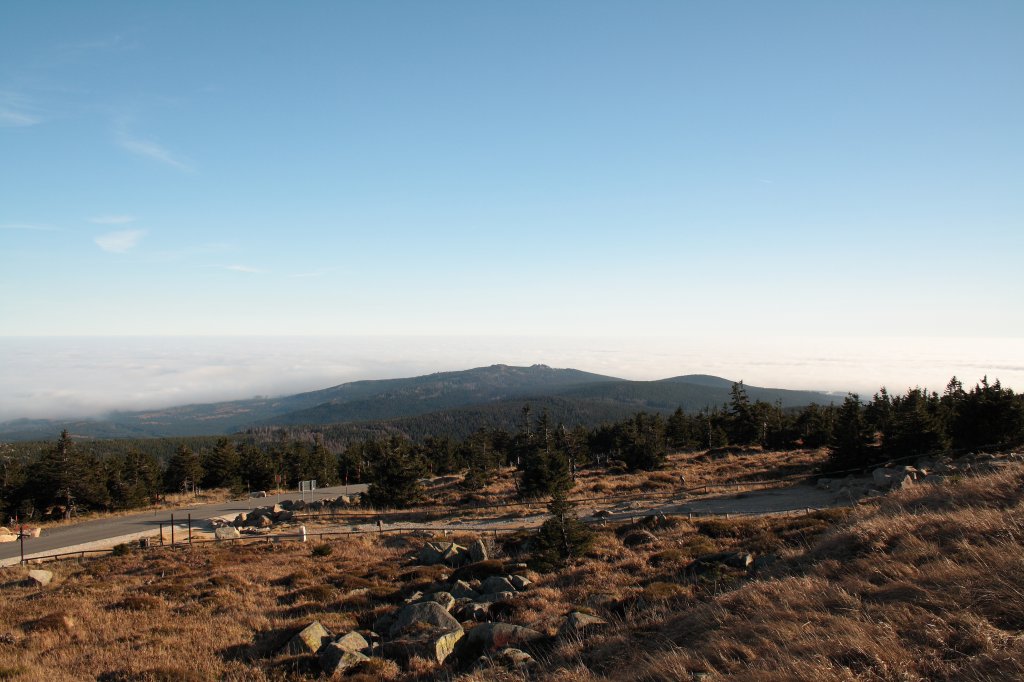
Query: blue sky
x: 649, y: 169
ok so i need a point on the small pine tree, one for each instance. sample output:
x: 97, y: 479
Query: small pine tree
x: 562, y: 537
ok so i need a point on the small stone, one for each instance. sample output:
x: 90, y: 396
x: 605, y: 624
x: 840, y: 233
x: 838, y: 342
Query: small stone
x: 577, y: 622
x: 495, y: 597
x: 39, y: 577
x: 446, y: 600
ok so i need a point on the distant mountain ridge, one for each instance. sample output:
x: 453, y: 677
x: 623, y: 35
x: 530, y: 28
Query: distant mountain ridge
x: 579, y: 395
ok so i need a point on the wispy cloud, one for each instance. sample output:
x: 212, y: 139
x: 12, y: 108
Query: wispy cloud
x: 16, y: 111
x: 121, y: 241
x: 243, y: 268
x: 151, y: 150
x: 28, y: 226
x: 113, y: 219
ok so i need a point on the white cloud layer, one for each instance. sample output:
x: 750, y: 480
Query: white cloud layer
x: 121, y: 241
x: 67, y: 377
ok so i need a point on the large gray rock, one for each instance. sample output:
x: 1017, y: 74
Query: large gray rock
x: 353, y: 641
x: 492, y: 637
x: 430, y: 554
x: 308, y: 640
x: 475, y: 611
x: 336, y: 660
x: 460, y: 589
x: 423, y: 616
x: 478, y: 551
x: 578, y: 624
x: 519, y: 582
x: 434, y: 645
x: 39, y: 577
x: 454, y: 555
x: 496, y: 584
x: 226, y: 533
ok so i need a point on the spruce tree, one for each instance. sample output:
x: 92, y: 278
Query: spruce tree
x: 68, y: 478
x: 184, y: 472
x: 395, y: 474
x: 222, y: 466
x: 562, y: 537
x: 850, y: 446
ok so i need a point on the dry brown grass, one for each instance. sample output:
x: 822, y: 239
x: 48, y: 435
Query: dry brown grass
x: 925, y: 584
x: 209, y: 613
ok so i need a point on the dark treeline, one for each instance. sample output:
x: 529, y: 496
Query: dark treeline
x: 59, y: 479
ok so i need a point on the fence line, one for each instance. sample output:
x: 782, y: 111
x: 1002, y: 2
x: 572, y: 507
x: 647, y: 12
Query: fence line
x: 407, y: 531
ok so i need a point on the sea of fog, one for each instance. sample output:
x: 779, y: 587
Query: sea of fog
x: 61, y: 377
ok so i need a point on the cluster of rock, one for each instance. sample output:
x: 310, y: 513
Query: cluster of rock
x: 450, y: 620
x: 335, y: 654
x: 452, y: 554
x: 285, y: 510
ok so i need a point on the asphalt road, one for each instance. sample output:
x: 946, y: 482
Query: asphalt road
x: 58, y: 538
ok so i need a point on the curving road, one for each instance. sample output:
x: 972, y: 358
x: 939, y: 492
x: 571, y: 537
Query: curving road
x: 61, y: 538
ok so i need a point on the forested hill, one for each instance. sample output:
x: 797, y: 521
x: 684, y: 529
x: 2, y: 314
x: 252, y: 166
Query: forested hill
x: 484, y: 394
x: 668, y: 394
x: 353, y: 401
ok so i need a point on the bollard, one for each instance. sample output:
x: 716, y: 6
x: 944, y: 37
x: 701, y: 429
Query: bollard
x: 190, y: 529
x: 172, y: 529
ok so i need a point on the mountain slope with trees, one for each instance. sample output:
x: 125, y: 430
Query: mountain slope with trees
x: 603, y: 397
